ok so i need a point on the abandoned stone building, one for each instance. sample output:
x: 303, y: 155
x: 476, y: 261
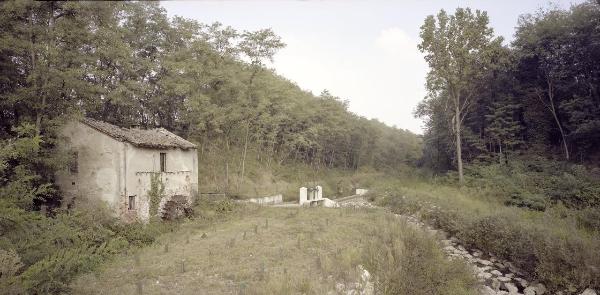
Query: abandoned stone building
x: 136, y: 172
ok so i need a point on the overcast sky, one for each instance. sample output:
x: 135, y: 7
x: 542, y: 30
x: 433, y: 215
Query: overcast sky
x: 362, y: 51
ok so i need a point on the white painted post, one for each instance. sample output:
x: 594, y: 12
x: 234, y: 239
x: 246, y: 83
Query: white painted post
x: 319, y: 192
x: 303, y: 195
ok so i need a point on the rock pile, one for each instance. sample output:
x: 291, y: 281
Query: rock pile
x: 363, y: 287
x: 358, y: 202
x: 497, y: 276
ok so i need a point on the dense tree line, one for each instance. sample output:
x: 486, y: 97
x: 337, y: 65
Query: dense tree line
x: 489, y: 102
x: 129, y: 64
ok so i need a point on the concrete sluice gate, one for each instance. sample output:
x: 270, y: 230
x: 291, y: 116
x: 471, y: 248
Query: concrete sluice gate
x: 309, y: 195
x: 313, y: 196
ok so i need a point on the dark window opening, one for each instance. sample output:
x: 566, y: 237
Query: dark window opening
x: 73, y: 163
x: 163, y: 162
x: 131, y: 202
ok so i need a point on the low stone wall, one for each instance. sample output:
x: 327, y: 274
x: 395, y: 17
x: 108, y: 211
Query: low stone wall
x: 361, y: 191
x: 212, y: 195
x: 277, y: 199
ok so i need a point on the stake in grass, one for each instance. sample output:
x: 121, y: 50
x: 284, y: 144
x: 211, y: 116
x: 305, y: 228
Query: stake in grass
x: 140, y: 287
x: 136, y: 258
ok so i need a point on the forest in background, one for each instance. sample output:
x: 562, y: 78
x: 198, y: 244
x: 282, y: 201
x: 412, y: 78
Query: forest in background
x: 129, y: 64
x: 512, y: 138
x: 525, y: 115
x: 539, y: 95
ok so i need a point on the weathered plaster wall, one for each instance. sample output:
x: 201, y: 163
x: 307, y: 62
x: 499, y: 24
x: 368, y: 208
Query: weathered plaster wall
x: 180, y: 178
x: 99, y: 167
x: 111, y: 171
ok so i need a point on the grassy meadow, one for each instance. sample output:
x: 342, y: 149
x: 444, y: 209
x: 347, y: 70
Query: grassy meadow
x: 284, y: 251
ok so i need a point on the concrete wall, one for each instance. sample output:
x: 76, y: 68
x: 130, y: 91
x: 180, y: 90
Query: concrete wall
x: 361, y: 191
x: 111, y: 171
x: 277, y: 199
x: 310, y: 195
x: 303, y: 197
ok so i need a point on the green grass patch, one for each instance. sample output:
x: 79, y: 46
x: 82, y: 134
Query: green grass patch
x: 283, y: 251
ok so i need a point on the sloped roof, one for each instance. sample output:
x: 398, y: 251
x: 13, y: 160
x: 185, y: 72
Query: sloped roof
x: 158, y: 138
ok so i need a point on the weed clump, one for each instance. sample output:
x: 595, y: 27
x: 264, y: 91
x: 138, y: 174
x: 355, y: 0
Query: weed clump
x: 406, y: 261
x: 558, y: 246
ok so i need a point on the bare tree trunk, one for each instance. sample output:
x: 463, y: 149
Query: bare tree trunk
x: 332, y: 158
x: 550, y: 106
x: 271, y: 154
x: 50, y: 45
x: 458, y: 143
x: 201, y: 146
x: 227, y: 176
x: 38, y: 119
x: 499, y: 146
x: 553, y: 110
x: 245, y: 151
x: 562, y: 132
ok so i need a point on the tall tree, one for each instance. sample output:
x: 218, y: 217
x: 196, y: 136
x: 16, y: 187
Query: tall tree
x: 258, y: 46
x: 455, y: 48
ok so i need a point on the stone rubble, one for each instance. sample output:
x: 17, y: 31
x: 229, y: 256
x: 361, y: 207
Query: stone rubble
x: 497, y: 276
x: 363, y: 287
x: 357, y: 203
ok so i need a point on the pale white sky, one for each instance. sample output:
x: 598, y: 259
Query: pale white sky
x: 362, y: 51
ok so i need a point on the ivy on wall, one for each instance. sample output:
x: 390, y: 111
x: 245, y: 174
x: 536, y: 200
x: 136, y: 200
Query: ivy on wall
x: 156, y: 192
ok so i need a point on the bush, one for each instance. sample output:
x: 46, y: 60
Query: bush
x: 40, y: 254
x: 501, y: 235
x: 406, y: 261
x: 533, y: 182
x: 10, y: 265
x: 569, y: 261
x: 559, y: 246
x: 533, y: 202
x: 589, y: 218
x: 52, y: 274
x: 136, y: 234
